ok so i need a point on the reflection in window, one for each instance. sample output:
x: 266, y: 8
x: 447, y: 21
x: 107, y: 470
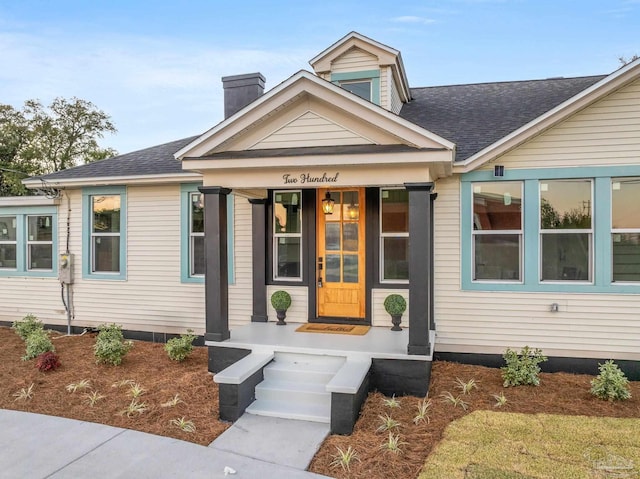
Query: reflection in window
x: 287, y: 234
x: 40, y: 242
x: 196, y: 234
x: 497, y: 231
x: 566, y: 230
x: 360, y: 88
x: 8, y: 227
x: 105, y: 234
x: 625, y: 232
x: 394, y: 234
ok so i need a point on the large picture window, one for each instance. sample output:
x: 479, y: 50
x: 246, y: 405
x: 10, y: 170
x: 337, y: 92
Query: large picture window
x: 497, y: 231
x: 566, y: 230
x: 287, y: 235
x: 625, y: 229
x: 8, y: 242
x: 39, y: 242
x: 394, y: 235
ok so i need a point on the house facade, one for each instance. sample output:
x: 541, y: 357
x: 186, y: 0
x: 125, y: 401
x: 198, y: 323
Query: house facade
x: 505, y: 213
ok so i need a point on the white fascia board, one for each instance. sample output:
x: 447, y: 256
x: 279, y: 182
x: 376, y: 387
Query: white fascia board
x: 114, y: 180
x: 303, y: 74
x: 348, y: 37
x: 28, y: 201
x: 554, y: 116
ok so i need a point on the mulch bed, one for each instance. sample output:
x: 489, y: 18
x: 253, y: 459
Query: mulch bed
x: 149, y: 366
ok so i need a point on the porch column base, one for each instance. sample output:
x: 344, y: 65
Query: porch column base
x: 419, y: 350
x: 217, y: 337
x: 257, y: 318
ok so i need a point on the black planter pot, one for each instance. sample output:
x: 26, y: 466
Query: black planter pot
x: 396, y: 319
x: 281, y: 314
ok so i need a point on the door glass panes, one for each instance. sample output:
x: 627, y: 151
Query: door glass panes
x: 332, y: 265
x: 332, y: 236
x: 350, y: 268
x: 336, y: 196
x: 350, y: 207
x: 350, y: 236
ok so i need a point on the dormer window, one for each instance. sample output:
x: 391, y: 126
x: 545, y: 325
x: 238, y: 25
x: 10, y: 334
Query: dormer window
x: 360, y: 88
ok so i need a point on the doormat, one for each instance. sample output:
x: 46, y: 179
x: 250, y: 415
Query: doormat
x: 357, y: 330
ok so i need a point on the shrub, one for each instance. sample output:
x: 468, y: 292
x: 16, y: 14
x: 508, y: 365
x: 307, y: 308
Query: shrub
x: 522, y: 368
x: 48, y: 361
x: 38, y: 342
x: 395, y: 305
x: 611, y: 383
x: 110, y: 345
x: 280, y: 300
x: 180, y: 348
x: 26, y: 325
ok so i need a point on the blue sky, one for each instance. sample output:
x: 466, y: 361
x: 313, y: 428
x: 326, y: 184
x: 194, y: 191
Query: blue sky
x: 155, y: 67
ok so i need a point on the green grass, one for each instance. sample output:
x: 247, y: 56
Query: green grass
x: 493, y: 445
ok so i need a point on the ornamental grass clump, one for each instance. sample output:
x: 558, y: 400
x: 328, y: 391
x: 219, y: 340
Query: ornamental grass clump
x: 26, y: 326
x: 111, y: 347
x: 522, y: 368
x: 611, y: 384
x: 37, y: 342
x: 180, y: 348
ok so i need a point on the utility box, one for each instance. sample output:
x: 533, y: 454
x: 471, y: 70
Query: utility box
x: 65, y: 268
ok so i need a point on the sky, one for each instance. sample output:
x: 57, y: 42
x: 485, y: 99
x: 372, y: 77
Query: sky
x: 155, y: 66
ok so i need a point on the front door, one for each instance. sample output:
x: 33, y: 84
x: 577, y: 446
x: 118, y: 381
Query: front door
x: 341, y: 254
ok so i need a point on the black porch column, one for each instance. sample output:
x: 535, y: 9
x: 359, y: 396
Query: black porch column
x: 216, y: 278
x: 259, y: 262
x: 420, y: 266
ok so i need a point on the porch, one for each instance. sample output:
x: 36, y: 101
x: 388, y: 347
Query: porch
x: 272, y: 370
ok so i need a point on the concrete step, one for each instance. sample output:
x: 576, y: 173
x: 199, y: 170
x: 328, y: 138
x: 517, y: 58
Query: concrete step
x: 284, y: 371
x: 302, y: 392
x: 309, y: 362
x: 291, y: 410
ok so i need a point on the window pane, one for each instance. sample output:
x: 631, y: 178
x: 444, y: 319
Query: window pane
x: 8, y: 228
x: 106, y: 254
x: 332, y: 265
x: 350, y: 236
x: 288, y: 252
x: 497, y: 206
x: 361, y: 88
x: 8, y: 256
x: 106, y: 214
x: 396, y: 258
x: 350, y: 273
x: 287, y: 212
x: 350, y: 207
x: 625, y: 196
x: 336, y: 196
x: 565, y: 257
x: 395, y: 211
x: 497, y: 257
x: 197, y: 213
x: 197, y: 255
x: 40, y: 228
x: 332, y: 236
x: 40, y: 256
x: 565, y: 204
x: 626, y: 257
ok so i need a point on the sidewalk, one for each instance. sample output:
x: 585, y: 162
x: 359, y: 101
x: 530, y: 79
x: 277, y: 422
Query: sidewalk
x: 37, y: 446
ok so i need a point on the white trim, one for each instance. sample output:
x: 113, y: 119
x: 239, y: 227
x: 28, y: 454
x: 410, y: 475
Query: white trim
x: 28, y: 200
x: 549, y: 119
x: 348, y: 37
x: 113, y: 180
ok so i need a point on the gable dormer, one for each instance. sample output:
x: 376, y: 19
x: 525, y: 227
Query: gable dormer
x: 366, y: 68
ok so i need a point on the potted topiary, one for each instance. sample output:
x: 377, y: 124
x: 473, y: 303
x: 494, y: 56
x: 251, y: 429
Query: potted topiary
x: 395, y: 305
x: 281, y: 300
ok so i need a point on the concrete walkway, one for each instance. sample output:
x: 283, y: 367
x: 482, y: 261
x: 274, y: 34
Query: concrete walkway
x: 37, y: 446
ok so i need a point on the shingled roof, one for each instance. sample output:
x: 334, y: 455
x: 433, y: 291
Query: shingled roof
x: 475, y: 116
x: 472, y: 116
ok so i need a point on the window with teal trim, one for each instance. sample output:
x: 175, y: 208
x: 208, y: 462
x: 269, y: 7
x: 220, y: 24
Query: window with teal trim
x: 360, y: 88
x: 196, y: 234
x: 28, y: 241
x: 364, y: 83
x: 625, y: 230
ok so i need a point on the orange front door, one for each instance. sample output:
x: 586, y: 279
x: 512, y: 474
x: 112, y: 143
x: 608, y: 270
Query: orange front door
x: 341, y: 254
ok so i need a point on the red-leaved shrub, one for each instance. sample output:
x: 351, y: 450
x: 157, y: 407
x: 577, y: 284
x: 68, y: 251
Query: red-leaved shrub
x: 47, y: 361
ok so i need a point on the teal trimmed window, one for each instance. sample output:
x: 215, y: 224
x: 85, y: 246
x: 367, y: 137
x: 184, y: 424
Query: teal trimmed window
x: 569, y: 230
x: 29, y: 241
x: 104, y: 239
x: 192, y: 217
x: 365, y: 84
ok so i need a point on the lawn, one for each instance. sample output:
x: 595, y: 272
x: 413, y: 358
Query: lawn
x: 161, y: 379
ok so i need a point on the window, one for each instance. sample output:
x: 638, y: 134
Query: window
x: 287, y: 235
x: 39, y: 242
x: 104, y: 239
x: 497, y: 231
x: 394, y: 235
x: 360, y: 88
x: 566, y: 230
x: 625, y: 229
x: 196, y: 234
x: 8, y: 242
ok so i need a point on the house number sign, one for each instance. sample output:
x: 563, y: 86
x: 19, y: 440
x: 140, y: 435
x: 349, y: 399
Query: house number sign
x: 304, y: 178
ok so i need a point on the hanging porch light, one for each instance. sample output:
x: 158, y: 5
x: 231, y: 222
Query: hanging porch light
x: 327, y: 204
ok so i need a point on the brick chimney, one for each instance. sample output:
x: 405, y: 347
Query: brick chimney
x: 240, y: 90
